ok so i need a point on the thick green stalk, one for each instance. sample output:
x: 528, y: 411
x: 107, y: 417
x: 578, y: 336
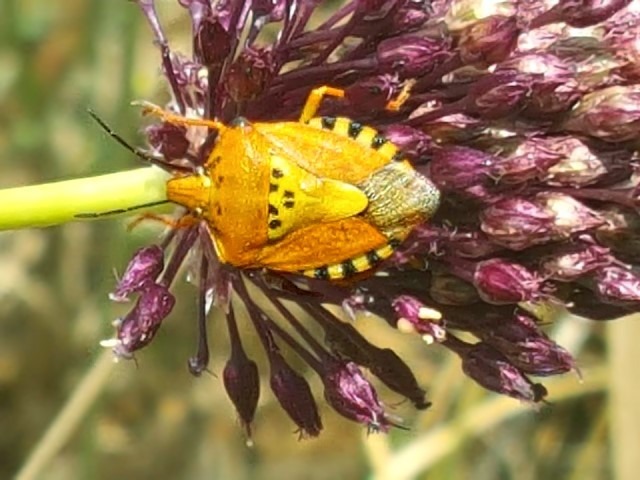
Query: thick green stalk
x: 130, y: 192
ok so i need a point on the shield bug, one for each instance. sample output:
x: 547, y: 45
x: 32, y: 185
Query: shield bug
x: 327, y: 197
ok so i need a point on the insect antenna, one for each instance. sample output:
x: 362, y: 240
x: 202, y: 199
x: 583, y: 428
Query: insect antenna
x: 138, y: 152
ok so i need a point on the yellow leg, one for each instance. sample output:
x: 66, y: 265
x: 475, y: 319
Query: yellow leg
x: 395, y: 104
x: 182, y: 222
x: 149, y: 108
x: 314, y: 99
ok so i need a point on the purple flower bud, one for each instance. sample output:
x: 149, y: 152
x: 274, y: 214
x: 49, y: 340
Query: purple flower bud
x: 494, y: 371
x: 212, y: 42
x: 242, y: 383
x: 408, y: 17
x: 554, y: 86
x: 525, y: 345
x: 570, y: 215
x: 412, y: 142
x: 145, y: 266
x: 468, y: 244
x: 294, y: 395
x: 579, y: 13
x: 517, y: 223
x: 531, y: 158
x: 347, y: 343
x: 583, y: 165
x: 449, y: 129
x: 500, y: 281
x: 249, y: 74
x: 168, y: 139
x: 498, y: 95
x: 411, y: 55
x: 617, y: 285
x: 488, y: 41
x: 139, y: 326
x: 621, y: 37
x: 463, y: 171
x: 575, y: 260
x: 352, y: 396
x: 415, y: 316
x: 611, y: 114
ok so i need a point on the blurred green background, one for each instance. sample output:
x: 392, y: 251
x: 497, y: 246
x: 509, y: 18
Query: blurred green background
x: 153, y: 420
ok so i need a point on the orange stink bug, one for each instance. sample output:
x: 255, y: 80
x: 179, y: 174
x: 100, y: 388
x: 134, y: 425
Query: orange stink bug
x: 327, y: 197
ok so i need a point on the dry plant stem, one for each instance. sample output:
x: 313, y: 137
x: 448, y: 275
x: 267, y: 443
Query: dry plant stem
x: 624, y: 401
x: 69, y: 418
x: 131, y: 192
x: 430, y: 448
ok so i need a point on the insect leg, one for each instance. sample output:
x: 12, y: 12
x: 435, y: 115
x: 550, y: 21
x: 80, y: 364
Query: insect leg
x: 314, y: 99
x: 182, y: 222
x: 149, y: 108
x: 396, y: 103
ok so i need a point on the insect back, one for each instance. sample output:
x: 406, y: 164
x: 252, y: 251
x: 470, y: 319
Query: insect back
x: 328, y: 197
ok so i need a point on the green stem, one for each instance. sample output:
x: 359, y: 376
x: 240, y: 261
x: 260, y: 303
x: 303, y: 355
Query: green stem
x: 133, y: 191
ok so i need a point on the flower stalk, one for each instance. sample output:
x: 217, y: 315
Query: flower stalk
x: 116, y: 194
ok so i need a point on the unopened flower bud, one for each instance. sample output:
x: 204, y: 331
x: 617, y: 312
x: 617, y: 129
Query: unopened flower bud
x: 463, y: 171
x: 140, y: 325
x: 413, y: 143
x: 242, y: 383
x: 500, y: 281
x: 611, y: 114
x: 495, y: 372
x: 526, y: 346
x: 517, y: 223
x: 617, y: 285
x: 411, y: 55
x: 583, y: 165
x: 353, y: 396
x: 579, y: 13
x: 145, y: 266
x: 294, y: 395
x: 488, y: 41
x: 575, y: 260
x: 526, y: 162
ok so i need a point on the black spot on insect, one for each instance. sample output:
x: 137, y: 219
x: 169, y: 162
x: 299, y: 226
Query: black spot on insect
x: 354, y: 129
x: 321, y: 273
x: 273, y: 224
x: 220, y: 179
x: 277, y: 173
x: 394, y: 243
x: 289, y: 194
x: 289, y: 204
x: 378, y: 141
x: 218, y: 210
x: 328, y: 123
x: 348, y: 268
x: 273, y: 187
x: 373, y: 258
x: 397, y: 157
x: 273, y: 210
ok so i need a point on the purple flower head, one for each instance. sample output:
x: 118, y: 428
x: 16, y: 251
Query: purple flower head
x: 528, y: 132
